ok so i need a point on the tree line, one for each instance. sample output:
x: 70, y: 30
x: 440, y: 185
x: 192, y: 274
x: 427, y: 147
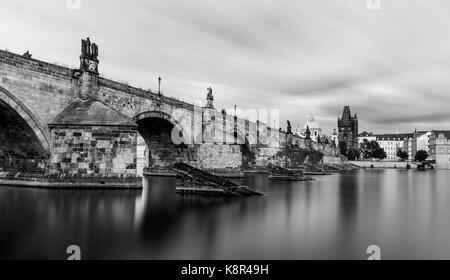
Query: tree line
x: 372, y: 150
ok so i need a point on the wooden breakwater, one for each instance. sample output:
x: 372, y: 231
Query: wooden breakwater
x: 282, y: 173
x: 192, y: 180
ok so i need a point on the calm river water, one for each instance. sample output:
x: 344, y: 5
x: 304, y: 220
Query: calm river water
x: 405, y: 212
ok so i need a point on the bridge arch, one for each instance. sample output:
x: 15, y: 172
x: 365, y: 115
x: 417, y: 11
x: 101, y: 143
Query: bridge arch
x: 156, y: 114
x: 23, y: 140
x: 165, y: 137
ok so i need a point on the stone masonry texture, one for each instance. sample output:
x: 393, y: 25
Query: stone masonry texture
x: 93, y: 150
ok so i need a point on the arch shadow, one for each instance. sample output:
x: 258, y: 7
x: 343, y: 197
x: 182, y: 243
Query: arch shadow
x: 23, y: 143
x: 15, y: 104
x: 165, y: 138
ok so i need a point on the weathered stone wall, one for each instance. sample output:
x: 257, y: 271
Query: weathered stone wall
x: 45, y: 89
x: 294, y: 156
x: 164, y: 153
x: 93, y: 150
x: 332, y: 160
x: 216, y: 156
x: 132, y: 101
x: 264, y: 154
x: 271, y: 142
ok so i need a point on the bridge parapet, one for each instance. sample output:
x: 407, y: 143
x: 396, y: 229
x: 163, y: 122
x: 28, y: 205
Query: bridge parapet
x: 18, y: 61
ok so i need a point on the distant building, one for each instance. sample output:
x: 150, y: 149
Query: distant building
x: 419, y: 140
x: 391, y: 143
x: 314, y: 128
x: 439, y: 145
x: 334, y: 137
x: 407, y: 147
x: 348, y: 129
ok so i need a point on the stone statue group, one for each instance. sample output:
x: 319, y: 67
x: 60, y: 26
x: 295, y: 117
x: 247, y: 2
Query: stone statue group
x: 88, y: 49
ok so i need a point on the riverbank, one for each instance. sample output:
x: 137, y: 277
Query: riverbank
x: 384, y: 164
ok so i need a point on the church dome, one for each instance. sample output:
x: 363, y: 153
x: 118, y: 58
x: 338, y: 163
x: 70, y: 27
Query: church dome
x: 311, y: 123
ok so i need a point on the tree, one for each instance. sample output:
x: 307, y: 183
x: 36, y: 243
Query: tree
x: 421, y: 155
x: 379, y: 153
x: 364, y: 148
x: 343, y: 148
x: 368, y: 149
x: 353, y: 154
x: 403, y: 155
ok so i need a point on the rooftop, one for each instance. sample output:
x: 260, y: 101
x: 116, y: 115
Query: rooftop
x: 446, y: 133
x: 366, y: 134
x: 393, y: 136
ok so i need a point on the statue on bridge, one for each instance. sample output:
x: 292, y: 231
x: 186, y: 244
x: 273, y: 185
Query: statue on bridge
x: 27, y: 54
x: 94, y: 50
x: 289, y: 127
x: 85, y: 46
x: 88, y: 49
x: 88, y: 58
x: 209, y: 98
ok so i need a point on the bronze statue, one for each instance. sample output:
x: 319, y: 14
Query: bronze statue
x: 210, y: 95
x: 83, y: 46
x: 94, y: 50
x: 88, y: 49
x: 209, y: 98
x: 27, y: 54
x: 88, y: 46
x: 289, y: 128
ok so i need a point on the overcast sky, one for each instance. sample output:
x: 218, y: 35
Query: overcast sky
x: 392, y: 66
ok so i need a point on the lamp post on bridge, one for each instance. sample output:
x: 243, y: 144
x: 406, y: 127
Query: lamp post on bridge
x: 159, y: 97
x: 159, y: 85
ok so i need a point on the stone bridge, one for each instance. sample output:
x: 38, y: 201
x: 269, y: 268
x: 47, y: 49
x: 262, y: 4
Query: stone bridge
x: 54, y: 119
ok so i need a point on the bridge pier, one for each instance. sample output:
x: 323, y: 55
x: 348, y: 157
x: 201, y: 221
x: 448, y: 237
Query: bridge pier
x: 89, y: 139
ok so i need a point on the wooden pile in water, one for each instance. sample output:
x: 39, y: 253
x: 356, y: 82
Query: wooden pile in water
x: 281, y: 173
x: 192, y: 180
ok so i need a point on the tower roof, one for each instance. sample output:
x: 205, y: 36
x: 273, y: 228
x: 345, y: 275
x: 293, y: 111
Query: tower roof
x: 346, y: 115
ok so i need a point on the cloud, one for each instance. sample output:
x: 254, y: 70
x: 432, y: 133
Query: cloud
x: 301, y: 57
